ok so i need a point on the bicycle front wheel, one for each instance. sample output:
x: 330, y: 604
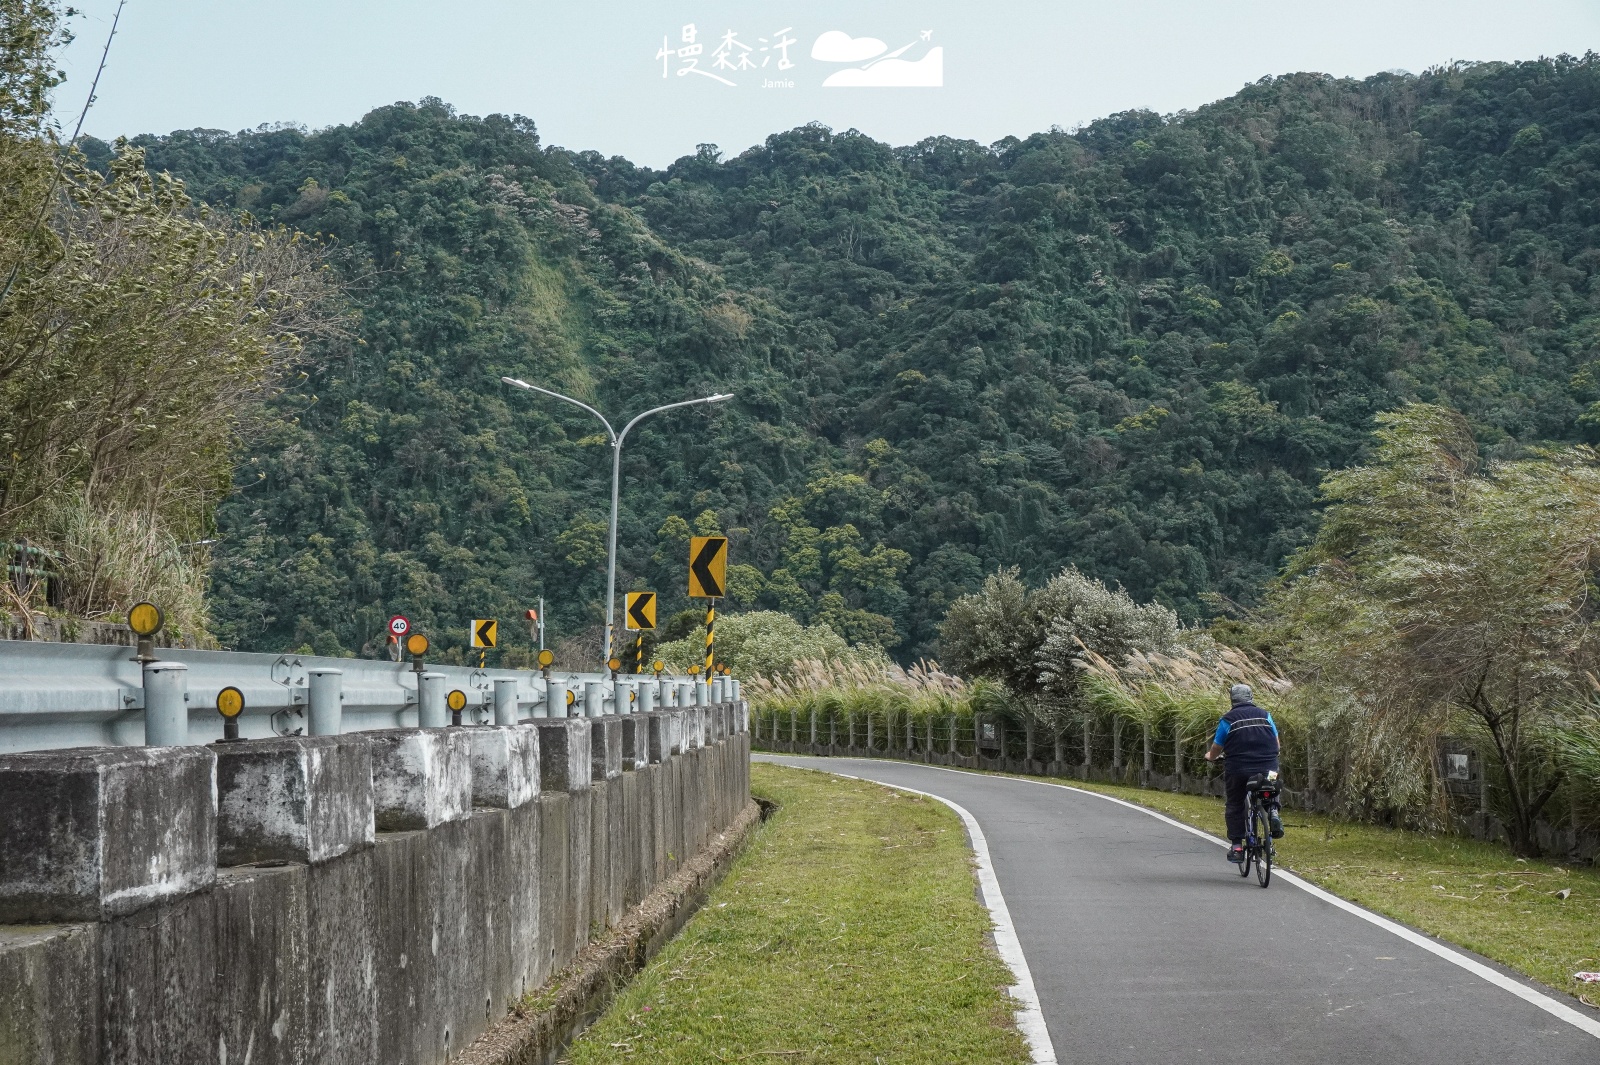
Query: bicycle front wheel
x: 1264, y: 853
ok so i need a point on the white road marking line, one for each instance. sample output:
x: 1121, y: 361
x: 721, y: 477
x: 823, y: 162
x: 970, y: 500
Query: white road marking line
x: 1030, y: 1018
x: 1559, y: 1010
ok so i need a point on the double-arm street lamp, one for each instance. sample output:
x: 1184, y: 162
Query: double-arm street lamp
x: 616, y: 478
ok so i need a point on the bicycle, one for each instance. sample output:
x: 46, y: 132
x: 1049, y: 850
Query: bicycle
x: 1261, y: 790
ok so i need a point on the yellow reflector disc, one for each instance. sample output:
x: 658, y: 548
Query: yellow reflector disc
x: 145, y: 619
x: 545, y: 658
x: 456, y: 700
x: 230, y: 702
x: 416, y: 644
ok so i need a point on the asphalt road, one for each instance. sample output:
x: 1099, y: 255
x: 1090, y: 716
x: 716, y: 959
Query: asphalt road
x: 1146, y: 947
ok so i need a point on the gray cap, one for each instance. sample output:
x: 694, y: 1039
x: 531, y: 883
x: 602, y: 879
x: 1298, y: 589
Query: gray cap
x: 1240, y: 693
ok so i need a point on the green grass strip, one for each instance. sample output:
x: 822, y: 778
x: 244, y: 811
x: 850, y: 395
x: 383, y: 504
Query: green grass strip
x: 1472, y: 894
x: 848, y: 931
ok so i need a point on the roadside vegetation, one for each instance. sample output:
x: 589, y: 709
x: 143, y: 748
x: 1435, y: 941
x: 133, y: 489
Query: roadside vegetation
x: 1446, y: 607
x: 141, y: 336
x: 849, y: 931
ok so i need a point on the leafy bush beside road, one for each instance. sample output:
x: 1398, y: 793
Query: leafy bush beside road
x: 141, y: 337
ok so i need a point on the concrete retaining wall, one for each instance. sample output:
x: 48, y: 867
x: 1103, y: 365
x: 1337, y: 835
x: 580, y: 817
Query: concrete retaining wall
x: 382, y: 896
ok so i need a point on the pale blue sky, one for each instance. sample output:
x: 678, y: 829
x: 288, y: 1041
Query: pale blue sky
x: 588, y: 75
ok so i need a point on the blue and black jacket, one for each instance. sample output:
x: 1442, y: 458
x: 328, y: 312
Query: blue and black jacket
x: 1249, y: 737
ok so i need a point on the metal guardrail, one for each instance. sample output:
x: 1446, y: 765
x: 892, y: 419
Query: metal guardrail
x: 26, y: 566
x: 78, y: 695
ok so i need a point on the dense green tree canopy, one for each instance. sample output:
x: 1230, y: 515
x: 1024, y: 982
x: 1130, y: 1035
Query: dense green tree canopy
x: 1134, y: 348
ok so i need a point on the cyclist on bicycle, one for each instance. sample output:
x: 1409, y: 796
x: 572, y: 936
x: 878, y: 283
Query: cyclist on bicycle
x: 1249, y: 737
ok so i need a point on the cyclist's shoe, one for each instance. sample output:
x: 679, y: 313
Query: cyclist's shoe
x: 1276, y: 822
x: 1236, y: 853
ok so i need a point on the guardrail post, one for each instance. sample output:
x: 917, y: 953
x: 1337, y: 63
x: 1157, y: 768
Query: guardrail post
x: 647, y: 697
x: 431, y: 711
x: 702, y: 693
x: 594, y: 699
x: 555, y: 700
x: 166, y: 704
x: 505, y: 700
x: 734, y: 682
x: 624, y: 697
x: 325, y: 699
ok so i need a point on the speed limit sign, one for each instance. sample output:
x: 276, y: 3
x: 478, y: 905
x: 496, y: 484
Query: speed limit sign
x: 399, y: 626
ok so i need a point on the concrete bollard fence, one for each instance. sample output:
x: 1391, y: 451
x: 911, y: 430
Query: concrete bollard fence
x: 330, y: 899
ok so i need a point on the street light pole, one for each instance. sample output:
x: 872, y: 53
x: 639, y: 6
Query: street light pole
x: 616, y: 480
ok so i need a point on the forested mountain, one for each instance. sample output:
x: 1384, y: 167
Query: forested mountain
x: 1135, y: 347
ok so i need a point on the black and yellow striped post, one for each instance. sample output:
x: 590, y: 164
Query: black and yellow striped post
x: 711, y: 635
x: 639, y: 615
x: 485, y: 634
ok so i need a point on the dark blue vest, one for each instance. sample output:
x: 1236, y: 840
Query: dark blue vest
x: 1250, y: 738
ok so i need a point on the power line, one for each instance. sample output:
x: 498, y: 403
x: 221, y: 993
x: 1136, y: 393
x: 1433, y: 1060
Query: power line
x: 61, y: 161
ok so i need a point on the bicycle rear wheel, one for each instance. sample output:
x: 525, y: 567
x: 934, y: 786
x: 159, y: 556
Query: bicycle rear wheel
x: 1263, y: 831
